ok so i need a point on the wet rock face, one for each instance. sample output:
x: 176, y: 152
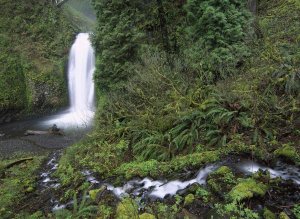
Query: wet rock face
x: 45, y: 96
x: 9, y: 115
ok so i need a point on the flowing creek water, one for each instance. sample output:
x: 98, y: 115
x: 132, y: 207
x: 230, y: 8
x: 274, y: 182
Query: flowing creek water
x: 150, y: 189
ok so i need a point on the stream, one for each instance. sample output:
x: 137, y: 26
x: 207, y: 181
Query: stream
x: 149, y: 189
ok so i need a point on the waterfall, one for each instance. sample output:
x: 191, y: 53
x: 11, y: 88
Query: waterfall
x: 81, y: 86
x: 80, y: 73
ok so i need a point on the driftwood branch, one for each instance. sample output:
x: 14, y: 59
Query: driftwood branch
x: 33, y: 132
x: 37, y: 132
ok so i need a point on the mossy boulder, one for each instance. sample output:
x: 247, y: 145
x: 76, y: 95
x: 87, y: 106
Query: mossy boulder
x: 30, y: 189
x: 193, y: 188
x: 221, y: 181
x: 268, y: 214
x: 146, y: 216
x: 246, y: 189
x: 283, y: 215
x: 127, y: 209
x: 288, y: 152
x: 189, y: 199
x: 95, y: 193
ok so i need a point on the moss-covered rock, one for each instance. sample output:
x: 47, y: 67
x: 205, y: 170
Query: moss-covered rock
x: 221, y: 181
x: 288, y: 152
x: 96, y: 192
x: 189, y: 199
x: 146, y: 216
x: 127, y: 209
x: 268, y: 214
x: 283, y: 215
x: 246, y: 189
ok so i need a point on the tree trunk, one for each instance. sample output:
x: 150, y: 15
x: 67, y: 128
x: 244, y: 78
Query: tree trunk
x: 252, y: 6
x: 163, y: 26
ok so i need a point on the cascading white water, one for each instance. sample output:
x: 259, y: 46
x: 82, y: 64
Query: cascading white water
x: 80, y: 72
x: 81, y: 86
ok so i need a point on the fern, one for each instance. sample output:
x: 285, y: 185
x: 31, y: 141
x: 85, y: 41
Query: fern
x: 154, y: 146
x: 80, y: 210
x: 288, y: 77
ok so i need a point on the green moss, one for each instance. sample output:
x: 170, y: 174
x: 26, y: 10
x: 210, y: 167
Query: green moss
x: 34, y: 43
x: 288, y: 152
x: 203, y: 194
x: 17, y: 182
x: 194, y: 160
x: 127, y: 209
x: 246, y: 189
x: 105, y: 211
x: 269, y: 214
x: 283, y: 215
x: 155, y: 168
x: 221, y: 181
x: 94, y: 193
x: 146, y: 216
x: 141, y: 169
x: 296, y: 210
x: 189, y: 199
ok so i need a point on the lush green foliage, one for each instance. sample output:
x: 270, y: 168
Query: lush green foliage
x: 80, y: 14
x: 115, y: 41
x: 80, y: 210
x: 159, y: 112
x: 150, y: 111
x: 217, y: 30
x: 16, y: 183
x: 35, y: 38
x: 165, y: 107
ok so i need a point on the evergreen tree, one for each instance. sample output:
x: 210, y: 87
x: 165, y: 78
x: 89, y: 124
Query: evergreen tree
x: 216, y: 31
x: 116, y: 41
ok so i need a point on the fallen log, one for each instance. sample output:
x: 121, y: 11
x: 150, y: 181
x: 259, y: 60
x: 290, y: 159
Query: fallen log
x: 33, y: 132
x: 17, y: 162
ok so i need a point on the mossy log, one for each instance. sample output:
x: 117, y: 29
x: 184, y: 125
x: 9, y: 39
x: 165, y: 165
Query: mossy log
x: 17, y: 162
